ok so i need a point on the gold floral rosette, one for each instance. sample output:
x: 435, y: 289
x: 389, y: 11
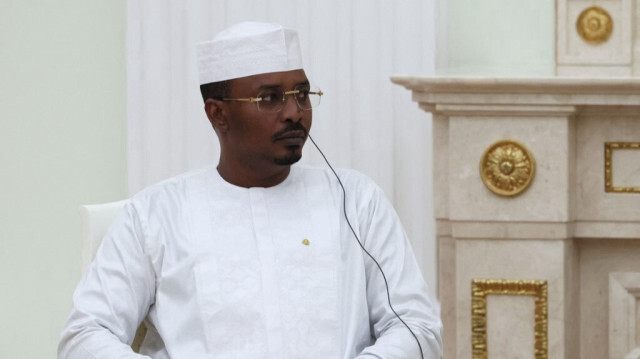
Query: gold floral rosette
x: 594, y: 25
x: 507, y: 168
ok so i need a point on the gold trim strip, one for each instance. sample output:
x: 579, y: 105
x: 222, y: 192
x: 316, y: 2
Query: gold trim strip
x: 608, y: 165
x: 480, y: 288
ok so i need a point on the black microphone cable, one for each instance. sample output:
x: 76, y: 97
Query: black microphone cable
x: 384, y: 277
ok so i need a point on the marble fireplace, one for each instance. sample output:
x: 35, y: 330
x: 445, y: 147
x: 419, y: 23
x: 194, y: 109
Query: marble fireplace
x: 537, y: 196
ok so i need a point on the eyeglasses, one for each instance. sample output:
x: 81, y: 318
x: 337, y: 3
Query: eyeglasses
x: 273, y: 99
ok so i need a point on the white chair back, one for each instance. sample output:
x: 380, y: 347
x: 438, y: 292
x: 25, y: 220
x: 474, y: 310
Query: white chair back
x: 96, y: 220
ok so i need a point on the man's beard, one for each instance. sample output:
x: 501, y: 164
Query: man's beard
x: 293, y: 156
x: 288, y: 160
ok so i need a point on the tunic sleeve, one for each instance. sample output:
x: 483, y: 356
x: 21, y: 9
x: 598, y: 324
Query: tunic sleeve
x: 113, y: 297
x: 385, y: 239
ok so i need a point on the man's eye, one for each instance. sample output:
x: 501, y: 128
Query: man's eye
x: 270, y: 97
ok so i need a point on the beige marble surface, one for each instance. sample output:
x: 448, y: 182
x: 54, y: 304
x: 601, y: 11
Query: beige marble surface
x: 511, y: 229
x: 606, y: 229
x: 626, y: 167
x: 510, y: 317
x: 447, y: 291
x: 440, y: 166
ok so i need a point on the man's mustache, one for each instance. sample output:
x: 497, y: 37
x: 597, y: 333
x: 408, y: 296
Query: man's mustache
x: 291, y: 127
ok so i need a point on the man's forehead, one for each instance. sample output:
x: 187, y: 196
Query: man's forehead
x: 284, y: 79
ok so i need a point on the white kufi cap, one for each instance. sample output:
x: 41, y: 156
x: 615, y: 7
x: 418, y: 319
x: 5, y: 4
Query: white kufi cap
x: 246, y: 49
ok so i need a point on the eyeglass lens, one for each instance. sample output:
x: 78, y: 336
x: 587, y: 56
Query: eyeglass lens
x: 273, y: 100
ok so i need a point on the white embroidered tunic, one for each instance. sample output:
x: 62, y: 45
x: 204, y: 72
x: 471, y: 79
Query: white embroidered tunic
x: 222, y: 271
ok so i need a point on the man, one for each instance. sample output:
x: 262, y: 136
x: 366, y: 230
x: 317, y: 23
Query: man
x: 255, y: 258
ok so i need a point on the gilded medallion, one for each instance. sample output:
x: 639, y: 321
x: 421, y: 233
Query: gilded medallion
x: 594, y: 25
x: 507, y: 168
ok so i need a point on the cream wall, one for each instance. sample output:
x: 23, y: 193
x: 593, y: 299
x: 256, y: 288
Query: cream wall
x: 62, y: 120
x: 496, y: 38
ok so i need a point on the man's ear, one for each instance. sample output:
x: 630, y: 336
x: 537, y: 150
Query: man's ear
x: 217, y: 112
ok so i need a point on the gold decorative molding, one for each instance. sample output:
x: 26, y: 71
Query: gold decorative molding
x: 480, y: 288
x: 507, y: 168
x: 594, y: 25
x: 608, y: 166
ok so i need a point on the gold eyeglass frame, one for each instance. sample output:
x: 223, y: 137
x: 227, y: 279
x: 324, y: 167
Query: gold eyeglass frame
x: 284, y: 98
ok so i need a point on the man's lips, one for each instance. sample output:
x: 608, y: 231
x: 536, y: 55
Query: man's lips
x: 295, y: 135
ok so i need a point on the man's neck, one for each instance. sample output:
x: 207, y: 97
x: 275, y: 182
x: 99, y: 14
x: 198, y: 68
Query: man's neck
x: 247, y: 178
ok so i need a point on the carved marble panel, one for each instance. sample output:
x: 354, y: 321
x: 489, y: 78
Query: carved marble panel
x: 624, y: 292
x: 579, y: 54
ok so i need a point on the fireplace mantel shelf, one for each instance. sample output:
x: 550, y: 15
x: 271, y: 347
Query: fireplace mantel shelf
x: 533, y: 85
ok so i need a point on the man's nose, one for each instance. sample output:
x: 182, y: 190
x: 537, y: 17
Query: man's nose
x: 291, y: 111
